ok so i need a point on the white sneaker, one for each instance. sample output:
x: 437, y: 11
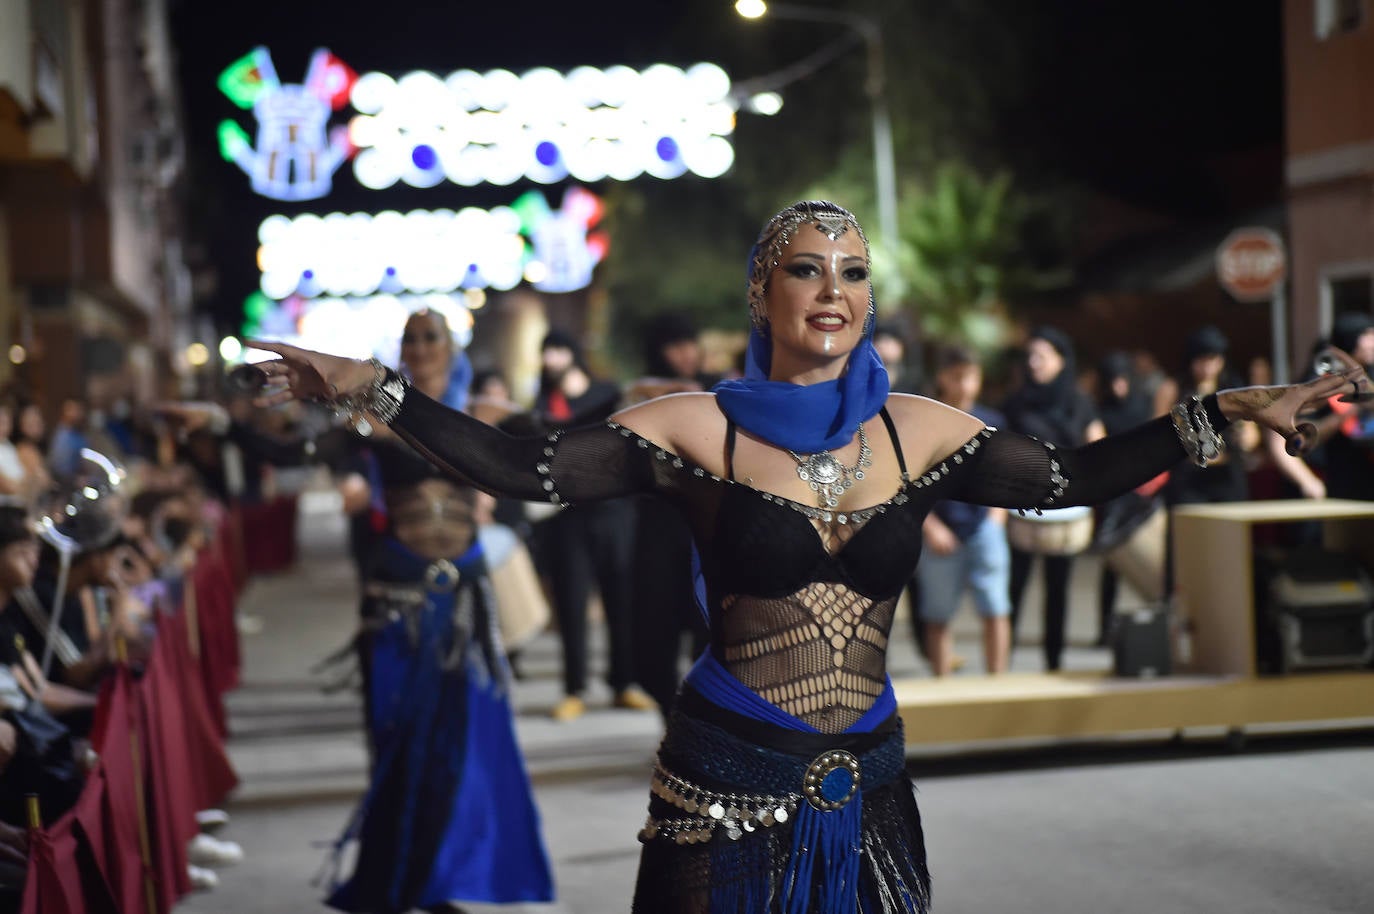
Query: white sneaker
x: 202, y: 880
x: 211, y: 820
x: 207, y: 851
x: 249, y: 625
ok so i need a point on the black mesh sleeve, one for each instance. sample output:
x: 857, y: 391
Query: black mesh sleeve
x: 585, y: 464
x: 1015, y: 471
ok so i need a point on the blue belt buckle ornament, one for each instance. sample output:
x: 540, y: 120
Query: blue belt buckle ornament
x: 442, y: 576
x: 831, y: 780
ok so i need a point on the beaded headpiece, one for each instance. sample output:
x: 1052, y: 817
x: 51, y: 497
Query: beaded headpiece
x: 830, y: 219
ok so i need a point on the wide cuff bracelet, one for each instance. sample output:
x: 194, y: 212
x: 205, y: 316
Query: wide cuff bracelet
x: 1196, y: 433
x: 382, y: 398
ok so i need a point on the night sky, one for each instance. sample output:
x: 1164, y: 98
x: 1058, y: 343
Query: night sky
x: 1150, y: 103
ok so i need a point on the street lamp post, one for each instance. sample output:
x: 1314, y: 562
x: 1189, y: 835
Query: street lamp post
x: 868, y: 28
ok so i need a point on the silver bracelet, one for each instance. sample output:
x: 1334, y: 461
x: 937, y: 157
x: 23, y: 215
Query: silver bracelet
x: 382, y: 397
x: 1213, y: 444
x: 1195, y: 432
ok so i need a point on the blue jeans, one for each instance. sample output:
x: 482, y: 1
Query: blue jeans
x: 982, y: 564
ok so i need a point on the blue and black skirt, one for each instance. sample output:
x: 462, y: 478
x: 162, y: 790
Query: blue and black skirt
x: 449, y: 815
x: 747, y: 817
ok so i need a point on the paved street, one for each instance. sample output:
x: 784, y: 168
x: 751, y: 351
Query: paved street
x: 1287, y: 826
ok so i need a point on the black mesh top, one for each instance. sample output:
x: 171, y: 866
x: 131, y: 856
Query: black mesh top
x: 801, y: 600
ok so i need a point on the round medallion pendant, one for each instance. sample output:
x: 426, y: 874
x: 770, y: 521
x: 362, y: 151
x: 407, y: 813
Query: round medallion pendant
x: 821, y: 468
x: 831, y: 780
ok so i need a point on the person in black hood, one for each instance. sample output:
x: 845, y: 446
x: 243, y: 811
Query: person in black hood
x: 1049, y: 406
x: 1347, y: 430
x: 673, y: 360
x: 590, y: 545
x: 1122, y: 404
x: 1205, y: 371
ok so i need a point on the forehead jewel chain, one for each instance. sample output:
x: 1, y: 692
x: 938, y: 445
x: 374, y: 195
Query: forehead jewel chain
x: 827, y: 476
x: 778, y: 234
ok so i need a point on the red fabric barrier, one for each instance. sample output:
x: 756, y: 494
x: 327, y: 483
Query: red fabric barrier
x: 213, y: 776
x: 222, y: 579
x: 89, y: 861
x: 117, y: 817
x: 169, y: 790
x: 92, y: 858
x: 162, y: 758
x: 68, y: 861
x: 269, y: 535
x: 210, y: 609
x: 54, y: 884
x: 230, y: 540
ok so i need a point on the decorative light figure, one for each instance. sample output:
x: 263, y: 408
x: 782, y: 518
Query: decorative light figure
x: 296, y: 153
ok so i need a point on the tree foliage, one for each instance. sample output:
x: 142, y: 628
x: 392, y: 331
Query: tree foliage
x: 951, y: 70
x: 961, y: 254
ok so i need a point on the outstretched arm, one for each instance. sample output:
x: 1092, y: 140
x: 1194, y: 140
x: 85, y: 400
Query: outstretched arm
x: 579, y: 465
x: 585, y: 464
x: 1017, y: 471
x: 1014, y: 471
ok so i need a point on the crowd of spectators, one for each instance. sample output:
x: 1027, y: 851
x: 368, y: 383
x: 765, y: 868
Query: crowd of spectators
x: 104, y: 519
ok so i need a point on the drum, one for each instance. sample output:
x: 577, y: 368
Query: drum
x: 522, y: 611
x: 1139, y: 559
x: 1058, y: 531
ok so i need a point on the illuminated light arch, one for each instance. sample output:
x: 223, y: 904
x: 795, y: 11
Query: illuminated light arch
x: 354, y: 326
x: 498, y: 128
x: 433, y: 251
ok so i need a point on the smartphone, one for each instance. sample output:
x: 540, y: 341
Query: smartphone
x: 1327, y: 362
x: 246, y: 378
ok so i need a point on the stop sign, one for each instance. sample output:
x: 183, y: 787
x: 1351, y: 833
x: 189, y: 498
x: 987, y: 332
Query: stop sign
x: 1251, y: 264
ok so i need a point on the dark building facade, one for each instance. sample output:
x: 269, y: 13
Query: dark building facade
x: 1329, y: 69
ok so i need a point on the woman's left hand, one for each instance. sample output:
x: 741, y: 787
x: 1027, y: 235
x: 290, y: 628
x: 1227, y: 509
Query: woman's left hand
x: 303, y: 374
x: 1281, y: 408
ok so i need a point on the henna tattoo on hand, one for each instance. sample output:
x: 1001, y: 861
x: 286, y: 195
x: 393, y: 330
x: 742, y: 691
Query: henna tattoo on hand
x: 1250, y: 402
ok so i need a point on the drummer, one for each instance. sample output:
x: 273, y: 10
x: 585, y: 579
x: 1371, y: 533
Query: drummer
x: 965, y: 546
x: 1050, y: 407
x: 1121, y: 404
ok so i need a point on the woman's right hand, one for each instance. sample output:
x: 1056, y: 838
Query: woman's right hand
x: 1281, y: 408
x: 303, y: 374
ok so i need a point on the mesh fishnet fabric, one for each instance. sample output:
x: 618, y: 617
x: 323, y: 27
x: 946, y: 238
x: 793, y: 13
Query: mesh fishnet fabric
x: 819, y: 654
x: 834, y: 535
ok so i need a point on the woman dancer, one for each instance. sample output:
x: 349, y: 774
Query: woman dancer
x: 448, y: 816
x: 780, y: 784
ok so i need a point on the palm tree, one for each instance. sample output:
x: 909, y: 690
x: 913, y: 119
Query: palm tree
x: 961, y: 255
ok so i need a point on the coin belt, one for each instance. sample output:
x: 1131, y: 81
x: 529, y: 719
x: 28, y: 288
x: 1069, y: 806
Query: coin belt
x: 733, y: 814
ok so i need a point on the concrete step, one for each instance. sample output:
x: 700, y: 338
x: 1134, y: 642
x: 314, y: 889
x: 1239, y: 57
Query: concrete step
x: 315, y: 762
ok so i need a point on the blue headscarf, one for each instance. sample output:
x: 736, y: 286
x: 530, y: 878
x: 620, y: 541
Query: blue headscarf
x: 459, y: 382
x: 811, y: 417
x: 460, y: 368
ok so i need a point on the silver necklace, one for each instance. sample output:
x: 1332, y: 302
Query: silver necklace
x: 827, y: 476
